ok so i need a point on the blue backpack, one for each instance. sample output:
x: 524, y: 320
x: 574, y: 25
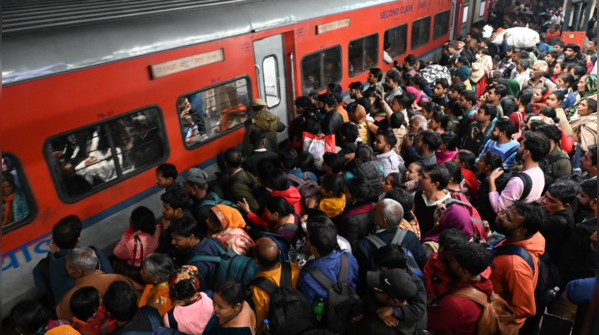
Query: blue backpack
x: 157, y: 328
x: 218, y: 201
x: 231, y: 265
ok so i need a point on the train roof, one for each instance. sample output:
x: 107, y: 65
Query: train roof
x: 46, y: 37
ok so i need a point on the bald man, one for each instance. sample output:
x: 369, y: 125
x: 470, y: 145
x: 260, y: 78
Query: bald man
x: 266, y: 254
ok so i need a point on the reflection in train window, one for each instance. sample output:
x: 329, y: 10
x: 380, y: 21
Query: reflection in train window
x: 18, y: 206
x: 210, y: 112
x: 363, y: 54
x: 320, y: 69
x: 395, y: 40
x: 271, y: 81
x: 86, y: 160
x: 421, y: 32
x: 441, y: 27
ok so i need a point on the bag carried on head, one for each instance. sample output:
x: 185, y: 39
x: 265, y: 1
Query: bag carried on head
x: 497, y: 318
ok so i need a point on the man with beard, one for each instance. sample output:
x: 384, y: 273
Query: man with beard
x: 571, y: 52
x: 384, y: 143
x: 467, y: 102
x: 427, y: 143
x: 392, y: 82
x: 532, y: 149
x: 513, y: 278
x: 501, y: 141
x: 537, y: 80
x: 494, y: 95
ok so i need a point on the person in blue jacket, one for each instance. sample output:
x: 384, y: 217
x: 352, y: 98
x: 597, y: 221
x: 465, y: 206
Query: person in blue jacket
x: 50, y: 274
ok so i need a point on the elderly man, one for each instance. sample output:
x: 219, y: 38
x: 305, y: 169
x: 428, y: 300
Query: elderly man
x: 82, y: 265
x: 536, y: 77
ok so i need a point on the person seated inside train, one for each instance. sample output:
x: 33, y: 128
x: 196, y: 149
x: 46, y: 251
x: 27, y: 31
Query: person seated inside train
x: 99, y: 166
x: 147, y: 144
x: 190, y: 130
x: 74, y: 184
x: 187, y: 108
x: 235, y: 114
x: 14, y: 201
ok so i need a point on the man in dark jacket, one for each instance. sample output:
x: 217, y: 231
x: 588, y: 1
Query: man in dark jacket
x: 121, y: 302
x: 195, y: 185
x: 174, y: 207
x: 262, y: 120
x: 556, y: 164
x: 332, y: 122
x: 258, y: 141
x: 479, y: 131
x: 240, y: 183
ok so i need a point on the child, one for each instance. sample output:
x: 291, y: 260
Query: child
x: 333, y: 202
x: 90, y: 318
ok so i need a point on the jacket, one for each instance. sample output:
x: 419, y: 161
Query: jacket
x: 556, y: 230
x: 578, y: 260
x: 192, y: 319
x: 239, y: 186
x: 250, y: 163
x: 292, y: 196
x: 331, y: 124
x: 391, y: 162
x: 455, y: 315
x: 437, y: 276
x: 374, y: 173
x: 475, y: 138
x: 206, y: 270
x: 270, y: 124
x: 514, y: 280
x: 357, y: 223
x: 330, y: 266
x: 555, y: 165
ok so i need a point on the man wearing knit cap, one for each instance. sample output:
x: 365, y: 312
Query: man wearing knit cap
x: 461, y: 76
x: 571, y: 52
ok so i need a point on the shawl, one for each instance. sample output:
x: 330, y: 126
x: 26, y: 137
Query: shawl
x: 416, y: 92
x: 155, y: 291
x: 235, y: 240
x: 584, y: 129
x: 332, y: 206
x: 443, y: 157
x: 410, y: 226
x: 591, y: 91
x: 471, y: 183
x: 454, y: 217
x: 542, y: 103
x: 229, y: 217
x: 185, y: 273
x: 15, y: 206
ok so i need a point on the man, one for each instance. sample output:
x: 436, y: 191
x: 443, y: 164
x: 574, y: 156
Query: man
x: 120, y: 301
x: 440, y: 92
x: 556, y: 164
x: 469, y: 266
x: 588, y: 162
x: 537, y: 80
x: 266, y: 254
x: 295, y: 127
x: 392, y: 82
x: 66, y: 234
x: 332, y: 122
x: 479, y: 131
x: 507, y: 64
x: 288, y: 159
x: 551, y: 59
x: 455, y: 91
x: 559, y: 219
x: 240, y: 183
x: 523, y: 75
x: 321, y: 241
x: 384, y: 143
x: 494, y: 95
x: 592, y: 49
x: 513, y: 279
x: 258, y: 141
x: 571, y: 52
x: 262, y: 120
x: 339, y: 106
x: 235, y: 114
x: 451, y: 54
x: 420, y: 84
x: 467, y: 103
x: 461, y: 76
x: 559, y: 47
x: 195, y: 185
x: 166, y: 176
x: 427, y: 143
x: 501, y: 142
x: 355, y: 90
x: 532, y: 149
x: 186, y: 237
x: 553, y: 34
x: 409, y: 64
x: 492, y: 47
x: 174, y: 204
x: 82, y: 265
x: 375, y: 76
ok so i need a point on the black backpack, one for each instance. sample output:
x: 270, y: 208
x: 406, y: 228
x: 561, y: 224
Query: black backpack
x: 503, y: 180
x: 290, y: 312
x: 342, y: 297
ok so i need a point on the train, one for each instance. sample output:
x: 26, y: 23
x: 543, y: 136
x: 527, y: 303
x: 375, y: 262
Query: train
x: 98, y: 94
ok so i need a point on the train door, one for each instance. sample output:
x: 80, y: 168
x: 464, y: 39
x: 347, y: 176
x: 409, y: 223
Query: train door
x: 456, y: 11
x: 466, y: 21
x: 270, y: 71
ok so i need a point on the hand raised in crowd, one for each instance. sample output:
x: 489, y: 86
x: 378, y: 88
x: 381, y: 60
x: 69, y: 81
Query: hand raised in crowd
x: 496, y: 174
x: 244, y: 206
x: 408, y: 140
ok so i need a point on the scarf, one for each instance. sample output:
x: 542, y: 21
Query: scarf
x: 513, y: 87
x: 591, y: 91
x: 542, y: 103
x: 443, y: 157
x: 585, y: 129
x: 185, y: 273
x: 332, y: 206
x: 8, y: 208
x: 454, y: 217
x: 229, y: 217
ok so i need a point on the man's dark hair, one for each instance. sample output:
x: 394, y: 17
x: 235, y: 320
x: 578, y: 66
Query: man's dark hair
x: 120, y: 301
x: 507, y: 126
x: 452, y: 239
x: 394, y: 76
x: 364, y: 103
x: 175, y: 197
x: 233, y: 157
x: 186, y: 227
x: 431, y: 139
x: 420, y: 81
x: 566, y: 191
x: 335, y: 161
x: 533, y: 216
x: 593, y: 149
x: 356, y: 85
x: 288, y: 158
x: 311, y: 126
x: 490, y: 110
x: 561, y: 44
x: 469, y: 96
x: 67, y: 231
x: 305, y: 162
x: 277, y: 180
x: 331, y: 86
x: 553, y: 54
x: 85, y: 302
x: 403, y: 100
x: 391, y: 256
x: 333, y: 183
x: 328, y: 99
x: 473, y: 257
x: 388, y: 134
x: 338, y: 97
x: 257, y: 136
x: 411, y: 60
x: 589, y: 187
x: 396, y: 120
x: 438, y: 174
x: 458, y: 87
x: 264, y: 166
x: 167, y: 170
x: 493, y: 159
x: 350, y: 132
x: 303, y: 102
x: 377, y: 73
x: 443, y: 82
x: 322, y: 237
x: 537, y: 145
x: 551, y: 131
x: 500, y: 90
x: 264, y: 260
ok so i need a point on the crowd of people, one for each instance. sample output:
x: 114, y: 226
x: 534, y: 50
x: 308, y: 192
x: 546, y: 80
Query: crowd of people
x: 441, y: 196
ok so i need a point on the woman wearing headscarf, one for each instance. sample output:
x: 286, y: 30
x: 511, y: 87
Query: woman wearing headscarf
x: 226, y: 225
x: 453, y: 217
x: 14, y: 202
x: 358, y: 116
x: 193, y: 309
x: 513, y: 87
x: 539, y: 99
x: 584, y: 123
x: 587, y: 87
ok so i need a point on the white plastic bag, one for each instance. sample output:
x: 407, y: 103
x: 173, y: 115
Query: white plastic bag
x: 519, y: 37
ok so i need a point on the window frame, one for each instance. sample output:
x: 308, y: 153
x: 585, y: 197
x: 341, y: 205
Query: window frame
x: 448, y: 24
x: 277, y: 78
x: 364, y: 69
x: 396, y: 27
x: 412, y: 47
x: 206, y: 88
x: 56, y: 178
x: 322, y: 64
x: 26, y: 188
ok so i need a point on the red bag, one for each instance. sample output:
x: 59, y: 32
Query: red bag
x: 318, y: 146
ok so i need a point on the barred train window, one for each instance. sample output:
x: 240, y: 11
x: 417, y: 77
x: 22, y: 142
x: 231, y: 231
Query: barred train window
x: 421, y: 32
x: 395, y: 40
x: 320, y: 69
x: 18, y: 205
x: 89, y: 159
x: 210, y: 112
x: 363, y: 54
x: 441, y: 27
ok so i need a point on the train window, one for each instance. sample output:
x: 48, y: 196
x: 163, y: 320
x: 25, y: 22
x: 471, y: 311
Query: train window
x: 18, y: 205
x: 465, y: 17
x: 421, y: 32
x: 92, y: 158
x: 363, y: 54
x: 271, y: 81
x: 483, y: 7
x: 395, y: 40
x: 321, y: 68
x: 441, y: 27
x: 211, y: 112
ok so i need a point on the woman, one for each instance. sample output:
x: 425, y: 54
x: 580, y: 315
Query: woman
x: 584, y: 123
x: 587, y: 88
x: 140, y: 240
x: 513, y: 87
x: 427, y: 111
x: 466, y: 160
x: 14, y: 201
x: 555, y: 101
x: 357, y: 220
x: 480, y: 68
x: 549, y: 116
x: 453, y: 217
x: 284, y: 220
x: 565, y: 82
x: 155, y: 272
x: 226, y: 224
x: 448, y: 148
x: 393, y: 180
x: 232, y: 314
x: 438, y: 122
x: 358, y: 116
x: 557, y: 71
x: 455, y: 187
x: 30, y: 318
x: 523, y: 99
x: 193, y: 309
x: 406, y: 200
x: 413, y: 174
x: 539, y: 98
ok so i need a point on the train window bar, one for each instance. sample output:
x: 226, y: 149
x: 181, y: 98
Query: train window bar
x: 441, y: 27
x: 19, y: 207
x: 363, y: 54
x: 396, y: 40
x: 421, y: 32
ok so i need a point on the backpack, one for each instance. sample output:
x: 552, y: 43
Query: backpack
x: 546, y: 162
x: 231, y: 265
x: 306, y: 188
x: 477, y: 223
x: 219, y: 201
x: 503, y: 180
x: 342, y: 297
x: 157, y: 329
x: 497, y: 318
x: 290, y: 312
x: 398, y: 239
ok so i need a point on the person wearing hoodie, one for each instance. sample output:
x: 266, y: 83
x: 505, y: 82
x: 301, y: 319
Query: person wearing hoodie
x: 469, y: 265
x: 265, y: 121
x: 513, y: 279
x: 559, y: 219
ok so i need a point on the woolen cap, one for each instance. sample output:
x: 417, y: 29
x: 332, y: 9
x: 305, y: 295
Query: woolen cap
x: 574, y: 47
x: 463, y: 73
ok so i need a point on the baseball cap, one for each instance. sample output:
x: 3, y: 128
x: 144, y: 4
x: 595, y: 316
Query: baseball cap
x: 258, y: 102
x: 395, y: 282
x: 195, y: 176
